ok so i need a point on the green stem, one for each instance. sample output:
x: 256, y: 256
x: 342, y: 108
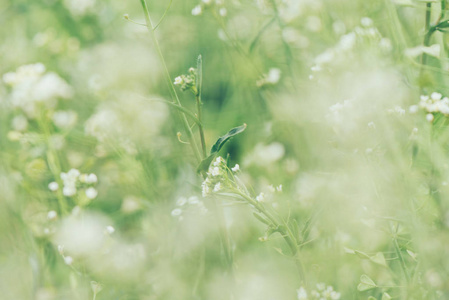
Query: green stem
x: 428, y: 35
x: 171, y: 86
x: 200, y: 125
x: 285, y: 232
x: 53, y: 162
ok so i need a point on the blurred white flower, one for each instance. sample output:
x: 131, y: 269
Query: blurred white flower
x: 176, y: 212
x: 236, y: 168
x: 68, y: 260
x: 19, y: 123
x: 53, y: 186
x: 91, y: 193
x: 51, y: 215
x: 197, y: 10
x: 110, y: 229
x: 64, y: 119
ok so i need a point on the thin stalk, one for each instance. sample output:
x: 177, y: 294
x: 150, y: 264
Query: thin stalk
x: 401, y: 258
x: 428, y: 35
x: 200, y: 125
x: 170, y: 84
x: 283, y: 230
x: 53, y: 162
x: 199, y: 103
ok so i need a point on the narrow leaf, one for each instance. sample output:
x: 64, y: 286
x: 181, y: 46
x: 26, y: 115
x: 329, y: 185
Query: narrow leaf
x: 222, y: 140
x: 379, y: 259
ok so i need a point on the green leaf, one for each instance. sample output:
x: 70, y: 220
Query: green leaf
x: 371, y: 298
x: 379, y: 259
x: 443, y: 24
x: 261, y: 219
x: 205, y: 163
x: 361, y: 254
x: 366, y: 283
x: 222, y: 140
x: 385, y: 296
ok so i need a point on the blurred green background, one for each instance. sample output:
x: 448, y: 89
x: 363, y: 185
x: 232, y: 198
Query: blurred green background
x: 325, y: 88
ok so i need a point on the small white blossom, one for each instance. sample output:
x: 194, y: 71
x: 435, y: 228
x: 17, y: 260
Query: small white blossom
x: 197, y: 10
x: 279, y: 188
x: 91, y: 193
x: 429, y: 117
x: 110, y: 229
x: 181, y: 201
x: 236, y: 168
x: 302, y: 294
x: 223, y: 12
x: 69, y: 191
x: 217, y: 187
x: 68, y: 260
x: 260, y: 197
x: 176, y: 212
x: 371, y: 125
x: 53, y: 186
x: 51, y: 215
x: 413, y: 109
x: 215, y: 171
x: 366, y: 22
x: 178, y: 81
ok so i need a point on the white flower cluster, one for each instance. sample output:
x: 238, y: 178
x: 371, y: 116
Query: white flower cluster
x: 185, y: 205
x: 217, y: 176
x: 198, y: 10
x: 433, y: 104
x: 72, y: 179
x: 365, y: 34
x: 31, y: 86
x: 322, y: 292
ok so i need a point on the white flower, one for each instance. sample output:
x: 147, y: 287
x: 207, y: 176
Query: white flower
x: 335, y: 296
x: 215, y: 171
x: 236, y: 168
x: 91, y: 193
x: 69, y: 191
x: 64, y: 119
x: 68, y: 260
x: 193, y: 200
x: 178, y: 80
x: 176, y: 212
x: 371, y: 125
x: 436, y: 96
x: 181, y: 201
x: 413, y: 109
x: 302, y: 294
x: 260, y: 197
x: 429, y: 117
x: 91, y: 178
x: 223, y: 12
x: 197, y: 10
x: 51, y: 215
x: 274, y: 75
x: 217, y: 187
x: 53, y: 186
x: 205, y: 188
x: 110, y: 229
x: 366, y: 22
x: 279, y: 188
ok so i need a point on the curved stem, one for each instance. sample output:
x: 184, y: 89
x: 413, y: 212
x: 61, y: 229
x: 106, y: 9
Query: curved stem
x: 172, y: 89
